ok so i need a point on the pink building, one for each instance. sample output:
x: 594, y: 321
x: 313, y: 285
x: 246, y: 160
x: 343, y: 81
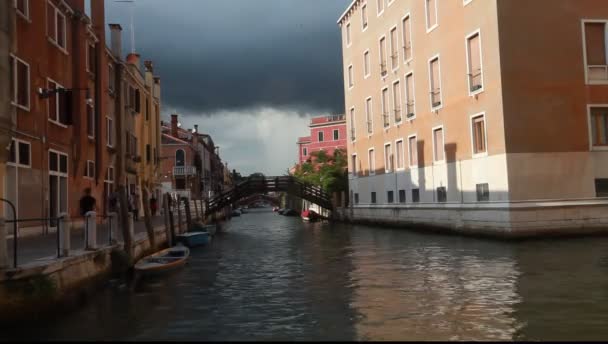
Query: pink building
x: 326, y: 133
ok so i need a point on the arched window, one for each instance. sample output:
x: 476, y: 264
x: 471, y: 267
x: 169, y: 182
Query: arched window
x: 180, y: 158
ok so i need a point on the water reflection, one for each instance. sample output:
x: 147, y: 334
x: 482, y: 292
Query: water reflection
x: 275, y: 278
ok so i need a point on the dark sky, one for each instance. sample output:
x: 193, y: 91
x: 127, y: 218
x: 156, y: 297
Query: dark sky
x: 221, y: 60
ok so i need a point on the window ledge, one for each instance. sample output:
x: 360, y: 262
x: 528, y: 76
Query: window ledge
x: 476, y: 92
x: 25, y: 108
x: 58, y: 123
x: 480, y: 155
x: 91, y: 138
x: 429, y: 30
x: 435, y: 109
x: 23, y: 16
x: 597, y: 82
x: 599, y: 148
x: 62, y: 49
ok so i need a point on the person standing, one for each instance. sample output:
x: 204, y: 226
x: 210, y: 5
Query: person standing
x: 135, y: 206
x: 153, y: 205
x: 87, y: 202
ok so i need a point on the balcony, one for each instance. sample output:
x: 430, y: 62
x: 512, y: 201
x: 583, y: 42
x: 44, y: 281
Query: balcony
x: 184, y: 171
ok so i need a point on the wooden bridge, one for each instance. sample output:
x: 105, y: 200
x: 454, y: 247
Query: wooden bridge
x: 263, y: 185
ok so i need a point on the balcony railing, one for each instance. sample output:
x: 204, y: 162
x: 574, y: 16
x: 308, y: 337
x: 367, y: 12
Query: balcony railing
x: 184, y: 170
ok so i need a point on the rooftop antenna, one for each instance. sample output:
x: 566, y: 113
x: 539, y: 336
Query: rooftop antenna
x: 132, y: 2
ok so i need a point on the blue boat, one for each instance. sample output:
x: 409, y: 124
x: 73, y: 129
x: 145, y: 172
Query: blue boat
x: 194, y: 239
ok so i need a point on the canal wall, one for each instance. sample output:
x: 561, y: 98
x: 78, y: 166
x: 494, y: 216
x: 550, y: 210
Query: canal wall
x: 510, y: 221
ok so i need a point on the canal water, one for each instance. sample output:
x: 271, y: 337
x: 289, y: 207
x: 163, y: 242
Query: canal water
x: 269, y: 277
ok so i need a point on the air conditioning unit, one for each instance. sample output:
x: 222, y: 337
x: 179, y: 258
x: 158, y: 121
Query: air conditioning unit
x: 475, y: 88
x: 410, y: 115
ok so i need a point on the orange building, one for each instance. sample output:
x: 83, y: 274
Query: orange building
x: 478, y: 115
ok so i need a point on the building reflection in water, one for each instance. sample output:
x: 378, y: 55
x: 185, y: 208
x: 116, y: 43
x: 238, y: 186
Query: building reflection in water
x: 433, y: 288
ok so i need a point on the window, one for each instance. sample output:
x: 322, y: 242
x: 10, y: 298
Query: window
x: 380, y: 6
x: 56, y: 28
x: 466, y: 2
x: 435, y: 82
x: 320, y: 135
x: 109, y: 132
x: 351, y: 82
x: 431, y: 14
x: 406, y: 34
x: 438, y: 147
x: 23, y: 8
x: 20, y: 154
x: 20, y: 85
x: 366, y: 71
x: 599, y: 126
x: 353, y: 135
x: 415, y: 195
x: 58, y: 183
x: 353, y: 164
x: 474, y: 65
x: 111, y: 79
x: 148, y: 153
x: 180, y: 158
x: 89, y: 170
x: 91, y: 57
x: 304, y: 151
x: 108, y: 181
x: 368, y: 115
x: 483, y: 192
x: 390, y: 198
x: 409, y: 96
x: 371, y: 156
x: 373, y: 197
x: 596, y: 51
x: 388, y: 158
x: 601, y: 187
x: 413, y: 151
x: 180, y: 184
x: 397, y: 101
x: 90, y: 122
x: 348, y: 34
x: 401, y: 196
x: 399, y: 153
x: 383, y: 70
x: 336, y: 134
x: 134, y: 99
x: 147, y: 108
x: 394, y: 48
x: 478, y: 127
x: 356, y: 198
x: 442, y: 195
x: 364, y: 17
x: 385, y: 114
x: 58, y: 104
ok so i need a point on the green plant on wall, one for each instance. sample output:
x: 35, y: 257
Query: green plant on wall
x: 329, y: 172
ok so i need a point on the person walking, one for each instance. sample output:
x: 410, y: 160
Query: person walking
x: 87, y: 202
x: 153, y: 205
x: 135, y: 206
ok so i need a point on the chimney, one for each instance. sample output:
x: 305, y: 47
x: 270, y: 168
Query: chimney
x: 174, y: 125
x: 116, y: 40
x: 133, y: 59
x: 196, y: 128
x: 149, y: 66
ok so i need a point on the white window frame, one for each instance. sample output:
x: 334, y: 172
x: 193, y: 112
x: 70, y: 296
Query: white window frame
x: 371, y: 163
x: 109, y: 132
x: 466, y: 48
x: 364, y: 20
x: 466, y: 2
x: 92, y: 136
x: 380, y: 56
x: 354, y: 172
x: 590, y: 128
x: 88, y: 172
x: 397, y: 168
x: 435, y: 161
x: 350, y: 76
x: 378, y: 12
x: 583, y: 22
x: 88, y: 67
x: 369, y: 117
x: 320, y: 134
x: 384, y: 106
x: 175, y: 157
x: 426, y: 17
x: 394, y: 66
x: 111, y: 175
x: 430, y: 71
x: 111, y: 88
x: 17, y: 142
x: 405, y: 59
x: 409, y: 151
x: 53, y: 38
x: 60, y: 174
x: 334, y: 135
x: 304, y: 151
x: 395, y: 122
x: 485, y: 135
x: 55, y: 120
x: 405, y: 89
x: 25, y: 15
x: 388, y: 162
x: 353, y: 127
x: 390, y: 2
x: 368, y: 66
x: 15, y: 82
x: 349, y: 38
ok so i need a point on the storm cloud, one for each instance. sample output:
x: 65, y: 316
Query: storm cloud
x: 257, y: 67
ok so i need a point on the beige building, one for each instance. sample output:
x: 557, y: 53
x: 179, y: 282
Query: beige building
x: 480, y: 115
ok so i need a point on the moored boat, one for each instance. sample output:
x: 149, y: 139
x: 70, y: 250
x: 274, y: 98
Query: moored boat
x: 166, y: 260
x: 194, y: 239
x: 310, y: 215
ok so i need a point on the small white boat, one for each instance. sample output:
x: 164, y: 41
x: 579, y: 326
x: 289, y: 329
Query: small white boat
x: 163, y: 261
